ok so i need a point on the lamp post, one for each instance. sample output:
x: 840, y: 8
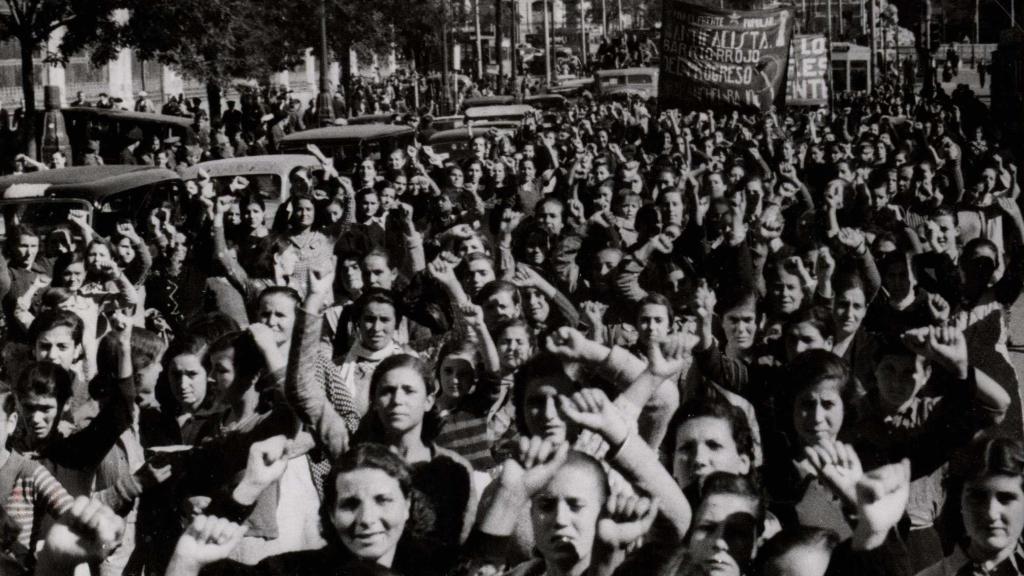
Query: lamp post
x: 547, y: 43
x: 324, y: 104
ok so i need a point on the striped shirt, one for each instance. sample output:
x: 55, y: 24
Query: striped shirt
x: 34, y: 492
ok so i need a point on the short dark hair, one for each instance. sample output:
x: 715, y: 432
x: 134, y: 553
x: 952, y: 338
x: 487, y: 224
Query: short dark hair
x: 44, y: 379
x: 57, y: 319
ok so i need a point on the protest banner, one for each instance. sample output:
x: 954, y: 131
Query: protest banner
x: 807, y: 79
x: 713, y: 57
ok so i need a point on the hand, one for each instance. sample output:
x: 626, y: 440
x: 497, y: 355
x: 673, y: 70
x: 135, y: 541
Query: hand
x: 473, y: 315
x: 509, y: 221
x: 627, y: 518
x: 121, y: 326
x: 152, y: 473
x: 88, y: 531
x: 527, y: 277
x: 442, y: 271
x: 943, y: 345
x: 591, y: 409
x: 239, y: 183
x: 78, y: 217
x: 938, y: 308
x: 852, y: 239
x: 321, y: 280
x: 826, y: 263
x: 660, y: 243
x: 535, y: 464
x: 263, y: 336
x: 838, y: 466
x: 593, y: 311
x: 267, y: 462
x: 882, y: 496
x: 576, y: 209
x: 207, y: 540
x: 127, y: 229
x: 569, y: 344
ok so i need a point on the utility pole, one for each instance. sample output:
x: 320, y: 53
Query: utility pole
x: 498, y: 40
x: 873, y: 31
x: 604, y: 18
x: 444, y: 58
x: 621, y: 25
x: 514, y: 53
x: 583, y: 34
x: 479, y: 41
x: 977, y: 22
x: 324, y: 104
x: 547, y: 42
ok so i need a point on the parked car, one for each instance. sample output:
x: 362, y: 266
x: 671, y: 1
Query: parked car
x: 110, y: 129
x: 108, y: 193
x: 642, y: 82
x: 270, y: 175
x: 350, y: 144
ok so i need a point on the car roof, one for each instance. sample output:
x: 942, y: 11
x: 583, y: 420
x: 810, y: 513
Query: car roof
x: 622, y: 71
x: 348, y: 133
x: 372, y: 119
x: 487, y: 101
x: 133, y: 116
x: 263, y: 164
x: 455, y: 135
x: 90, y: 182
x: 499, y: 110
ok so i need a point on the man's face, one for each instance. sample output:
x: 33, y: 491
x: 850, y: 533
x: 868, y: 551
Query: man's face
x: 57, y: 345
x: 551, y: 218
x: 39, y: 413
x: 653, y: 322
x: 704, y: 445
x: 378, y: 272
x: 500, y: 307
x: 480, y: 273
x: 479, y: 147
x: 740, y: 325
x: 514, y: 347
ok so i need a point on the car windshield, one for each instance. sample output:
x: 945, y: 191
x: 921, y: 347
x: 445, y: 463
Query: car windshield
x: 268, y: 186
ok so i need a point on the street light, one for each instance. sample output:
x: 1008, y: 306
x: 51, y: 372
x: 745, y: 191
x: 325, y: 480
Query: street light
x: 324, y: 103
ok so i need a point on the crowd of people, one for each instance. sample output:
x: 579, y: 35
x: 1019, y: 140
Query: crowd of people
x: 618, y: 341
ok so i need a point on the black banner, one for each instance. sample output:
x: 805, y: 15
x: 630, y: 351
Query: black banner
x: 712, y: 57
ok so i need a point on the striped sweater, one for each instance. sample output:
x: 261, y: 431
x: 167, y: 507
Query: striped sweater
x: 29, y: 493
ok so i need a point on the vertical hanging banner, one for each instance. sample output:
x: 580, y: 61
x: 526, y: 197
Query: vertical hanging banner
x: 807, y: 79
x: 712, y: 57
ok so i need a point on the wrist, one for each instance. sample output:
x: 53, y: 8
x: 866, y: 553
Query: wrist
x: 865, y: 538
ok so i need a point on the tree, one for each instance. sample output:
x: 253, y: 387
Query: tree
x: 31, y: 22
x: 215, y: 41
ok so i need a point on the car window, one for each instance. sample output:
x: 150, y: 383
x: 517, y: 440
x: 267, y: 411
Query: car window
x: 268, y: 186
x: 43, y: 217
x: 611, y: 80
x: 644, y: 79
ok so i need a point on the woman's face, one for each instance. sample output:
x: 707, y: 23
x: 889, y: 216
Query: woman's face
x: 818, y: 413
x: 672, y: 209
x: 234, y: 215
x: 370, y: 514
x: 704, y: 445
x: 305, y: 214
x: 653, y: 322
x: 377, y: 325
x: 786, y: 292
x: 849, y: 311
x: 543, y: 415
x: 286, y: 261
x: 535, y: 254
x: 457, y: 376
x: 564, y: 516
x: 253, y: 215
x: 96, y: 256
x: 536, y: 306
x: 803, y: 337
x: 401, y: 399
x: 188, y: 380
x: 529, y: 169
x: 368, y: 206
x: 350, y: 275
x: 222, y: 364
x: 277, y: 311
x: 73, y: 276
x: 993, y: 511
x: 723, y: 535
x: 334, y: 212
x: 125, y: 250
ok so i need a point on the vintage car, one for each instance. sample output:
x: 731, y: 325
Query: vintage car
x: 107, y: 193
x: 269, y: 174
x: 347, y: 145
x: 110, y: 128
x: 625, y: 82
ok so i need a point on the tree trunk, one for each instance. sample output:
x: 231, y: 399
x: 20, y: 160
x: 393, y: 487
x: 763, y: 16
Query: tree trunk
x: 28, y: 90
x: 213, y: 97
x: 346, y: 73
